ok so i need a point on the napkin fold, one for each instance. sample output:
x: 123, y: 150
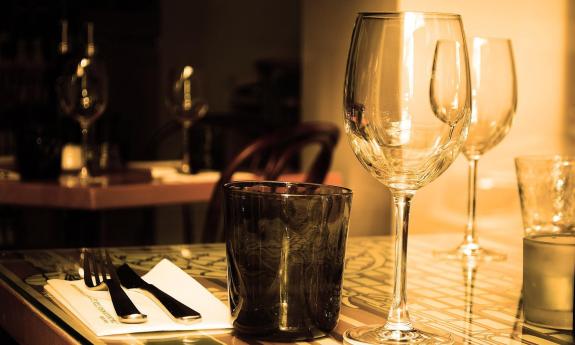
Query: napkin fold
x: 95, y: 309
x: 171, y: 175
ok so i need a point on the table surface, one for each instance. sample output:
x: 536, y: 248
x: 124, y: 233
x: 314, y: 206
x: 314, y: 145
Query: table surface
x: 477, y: 305
x: 131, y: 188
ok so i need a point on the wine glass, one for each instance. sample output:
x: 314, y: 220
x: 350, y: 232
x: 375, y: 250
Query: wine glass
x: 83, y: 95
x: 185, y: 100
x: 407, y: 100
x: 494, y: 99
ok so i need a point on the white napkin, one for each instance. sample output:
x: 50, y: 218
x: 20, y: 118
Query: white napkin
x: 95, y: 309
x: 171, y: 175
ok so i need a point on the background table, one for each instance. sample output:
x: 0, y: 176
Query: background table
x: 92, y: 215
x: 477, y: 304
x: 133, y: 188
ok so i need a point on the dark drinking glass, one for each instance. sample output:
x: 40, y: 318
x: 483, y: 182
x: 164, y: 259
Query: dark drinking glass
x: 285, y: 246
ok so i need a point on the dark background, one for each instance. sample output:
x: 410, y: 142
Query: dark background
x: 246, y: 51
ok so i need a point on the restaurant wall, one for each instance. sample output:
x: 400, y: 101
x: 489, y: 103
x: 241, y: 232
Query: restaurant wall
x: 544, y: 119
x: 224, y: 40
x: 327, y: 27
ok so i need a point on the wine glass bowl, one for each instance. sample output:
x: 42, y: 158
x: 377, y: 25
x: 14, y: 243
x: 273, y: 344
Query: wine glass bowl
x: 84, y: 92
x: 407, y: 102
x: 83, y: 95
x: 494, y: 94
x: 185, y: 101
x: 406, y: 159
x: 445, y: 90
x: 494, y: 100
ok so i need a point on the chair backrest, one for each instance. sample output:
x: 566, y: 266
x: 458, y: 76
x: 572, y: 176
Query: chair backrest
x: 273, y: 152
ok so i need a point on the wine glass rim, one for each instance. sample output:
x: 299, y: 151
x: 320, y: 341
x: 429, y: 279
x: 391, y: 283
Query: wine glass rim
x: 400, y: 14
x: 543, y: 157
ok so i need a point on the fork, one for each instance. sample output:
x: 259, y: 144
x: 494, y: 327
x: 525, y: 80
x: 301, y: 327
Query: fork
x: 99, y: 275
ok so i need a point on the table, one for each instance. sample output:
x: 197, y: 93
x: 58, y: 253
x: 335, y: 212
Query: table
x: 133, y: 188
x: 142, y: 185
x: 477, y: 304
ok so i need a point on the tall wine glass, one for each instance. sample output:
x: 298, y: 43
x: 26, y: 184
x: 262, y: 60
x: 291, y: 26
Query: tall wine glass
x: 407, y: 100
x: 185, y: 100
x: 494, y: 99
x: 83, y: 95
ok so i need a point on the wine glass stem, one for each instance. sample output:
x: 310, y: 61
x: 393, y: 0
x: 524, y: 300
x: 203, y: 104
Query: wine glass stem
x: 186, y: 147
x: 470, y: 235
x: 84, y: 173
x: 469, y: 272
x: 398, y: 317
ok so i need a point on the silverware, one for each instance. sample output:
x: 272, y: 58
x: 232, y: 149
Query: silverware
x: 176, y: 309
x: 99, y: 274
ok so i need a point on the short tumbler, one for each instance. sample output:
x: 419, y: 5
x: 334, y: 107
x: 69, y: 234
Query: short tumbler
x: 285, y: 246
x: 547, y: 193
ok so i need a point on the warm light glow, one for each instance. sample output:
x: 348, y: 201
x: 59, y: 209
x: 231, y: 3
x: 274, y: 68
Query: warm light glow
x: 187, y: 95
x: 186, y: 253
x: 80, y: 68
x: 187, y: 72
x: 186, y: 75
x: 86, y: 101
x: 486, y: 183
x: 458, y: 78
x: 404, y: 128
x: 71, y: 157
x: 478, y: 42
x: 413, y: 21
x: 84, y: 62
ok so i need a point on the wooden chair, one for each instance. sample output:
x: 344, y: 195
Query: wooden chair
x: 269, y: 156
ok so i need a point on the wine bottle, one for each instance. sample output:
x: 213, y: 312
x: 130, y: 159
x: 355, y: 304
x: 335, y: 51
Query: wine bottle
x: 62, y: 68
x: 39, y: 129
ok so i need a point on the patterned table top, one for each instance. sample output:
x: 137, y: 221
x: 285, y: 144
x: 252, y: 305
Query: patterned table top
x: 476, y: 304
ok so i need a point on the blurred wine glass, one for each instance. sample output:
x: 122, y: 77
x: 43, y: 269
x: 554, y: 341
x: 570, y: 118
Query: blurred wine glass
x: 494, y: 99
x: 83, y: 95
x: 185, y: 101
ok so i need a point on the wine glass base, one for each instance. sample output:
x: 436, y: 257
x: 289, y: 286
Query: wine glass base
x: 81, y: 181
x: 378, y: 335
x: 470, y: 251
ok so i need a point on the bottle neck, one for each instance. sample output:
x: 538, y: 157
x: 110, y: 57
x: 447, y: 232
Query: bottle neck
x: 90, y: 47
x: 64, y: 45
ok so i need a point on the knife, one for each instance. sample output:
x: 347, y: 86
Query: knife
x: 176, y: 309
